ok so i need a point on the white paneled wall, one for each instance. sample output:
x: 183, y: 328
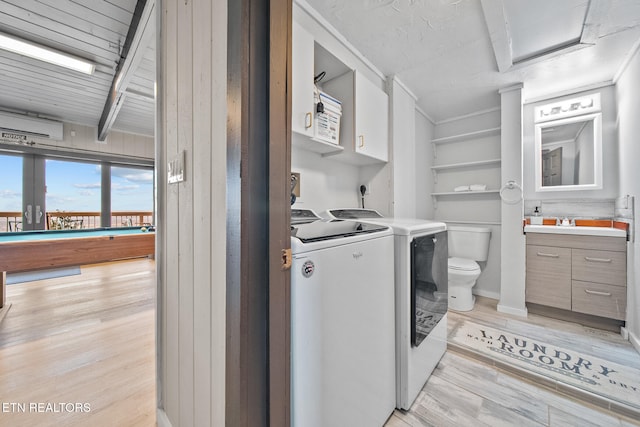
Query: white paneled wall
x: 403, y: 146
x: 84, y: 139
x: 423, y: 163
x: 627, y: 90
x: 512, y: 254
x: 191, y: 253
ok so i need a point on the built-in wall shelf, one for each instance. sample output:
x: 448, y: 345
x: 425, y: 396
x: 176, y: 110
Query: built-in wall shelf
x: 315, y: 145
x: 475, y: 159
x: 466, y: 164
x: 465, y: 193
x: 464, y: 136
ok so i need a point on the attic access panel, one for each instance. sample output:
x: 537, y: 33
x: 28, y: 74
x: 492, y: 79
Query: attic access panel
x: 544, y: 28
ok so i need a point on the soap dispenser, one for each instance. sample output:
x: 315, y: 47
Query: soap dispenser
x: 537, y: 218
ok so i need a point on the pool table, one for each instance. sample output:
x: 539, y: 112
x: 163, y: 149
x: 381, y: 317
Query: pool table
x: 34, y: 250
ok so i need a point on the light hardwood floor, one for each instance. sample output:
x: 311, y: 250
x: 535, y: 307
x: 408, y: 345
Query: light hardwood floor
x: 87, y: 339
x: 466, y: 392
x: 90, y: 339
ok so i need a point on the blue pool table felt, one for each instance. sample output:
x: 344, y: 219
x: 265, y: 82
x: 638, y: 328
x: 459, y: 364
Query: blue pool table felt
x: 67, y: 234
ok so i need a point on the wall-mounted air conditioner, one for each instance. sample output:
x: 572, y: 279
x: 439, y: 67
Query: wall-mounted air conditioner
x: 18, y: 127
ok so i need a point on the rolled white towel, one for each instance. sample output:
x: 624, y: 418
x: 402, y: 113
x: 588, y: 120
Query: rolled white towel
x: 461, y: 188
x: 478, y: 187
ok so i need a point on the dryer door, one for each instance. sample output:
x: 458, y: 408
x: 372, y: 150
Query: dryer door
x: 429, y: 284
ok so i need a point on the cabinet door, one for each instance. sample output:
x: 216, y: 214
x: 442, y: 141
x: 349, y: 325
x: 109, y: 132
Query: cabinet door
x: 549, y: 276
x: 302, y: 81
x: 371, y: 119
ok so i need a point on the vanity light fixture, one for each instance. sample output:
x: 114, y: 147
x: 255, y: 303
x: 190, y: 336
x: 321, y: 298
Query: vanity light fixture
x: 46, y: 54
x: 568, y: 108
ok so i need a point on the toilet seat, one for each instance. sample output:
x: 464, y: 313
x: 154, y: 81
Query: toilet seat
x: 463, y: 264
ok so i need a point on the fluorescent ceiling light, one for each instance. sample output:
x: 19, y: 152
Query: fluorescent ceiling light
x: 45, y: 54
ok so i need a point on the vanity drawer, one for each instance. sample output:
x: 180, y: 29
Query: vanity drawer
x: 600, y: 266
x: 599, y: 299
x: 549, y: 276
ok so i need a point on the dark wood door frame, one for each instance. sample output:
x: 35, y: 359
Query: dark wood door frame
x: 279, y: 211
x: 258, y: 176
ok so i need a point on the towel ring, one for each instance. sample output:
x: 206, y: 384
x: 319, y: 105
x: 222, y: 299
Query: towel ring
x: 510, y: 185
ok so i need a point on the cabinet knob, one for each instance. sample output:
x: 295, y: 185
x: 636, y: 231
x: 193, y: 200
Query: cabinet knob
x: 361, y: 141
x: 308, y: 120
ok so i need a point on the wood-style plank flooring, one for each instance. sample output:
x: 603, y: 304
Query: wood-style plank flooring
x: 90, y: 339
x: 466, y: 392
x: 87, y: 339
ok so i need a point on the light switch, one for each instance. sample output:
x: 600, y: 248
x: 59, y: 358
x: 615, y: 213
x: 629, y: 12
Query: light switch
x: 175, y: 169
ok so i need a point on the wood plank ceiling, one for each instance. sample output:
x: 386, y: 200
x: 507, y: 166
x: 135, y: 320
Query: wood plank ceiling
x: 90, y: 29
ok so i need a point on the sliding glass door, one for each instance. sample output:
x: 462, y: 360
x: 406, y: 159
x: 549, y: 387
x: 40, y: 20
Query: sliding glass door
x: 22, y: 187
x: 33, y: 193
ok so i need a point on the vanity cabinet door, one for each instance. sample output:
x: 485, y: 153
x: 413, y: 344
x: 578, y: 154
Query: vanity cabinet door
x: 549, y: 276
x: 600, y: 266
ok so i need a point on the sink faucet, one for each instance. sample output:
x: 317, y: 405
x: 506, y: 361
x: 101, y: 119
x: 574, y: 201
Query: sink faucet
x: 565, y: 222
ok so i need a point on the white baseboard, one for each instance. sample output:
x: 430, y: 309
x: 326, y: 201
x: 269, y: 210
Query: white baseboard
x: 487, y: 294
x: 512, y: 310
x: 634, y: 340
x: 161, y: 418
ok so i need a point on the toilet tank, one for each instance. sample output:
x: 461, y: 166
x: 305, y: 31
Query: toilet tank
x: 469, y: 242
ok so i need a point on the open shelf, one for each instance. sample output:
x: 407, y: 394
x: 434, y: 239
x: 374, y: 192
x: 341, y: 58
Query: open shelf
x: 315, y: 145
x: 466, y: 164
x: 465, y: 136
x: 465, y: 193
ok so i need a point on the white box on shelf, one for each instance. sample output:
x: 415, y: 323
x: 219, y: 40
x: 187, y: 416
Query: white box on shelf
x: 327, y: 124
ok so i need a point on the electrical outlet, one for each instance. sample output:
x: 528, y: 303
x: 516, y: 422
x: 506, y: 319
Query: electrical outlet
x: 368, y: 184
x: 296, y: 189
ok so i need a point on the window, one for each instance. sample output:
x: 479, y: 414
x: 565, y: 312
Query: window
x: 40, y: 193
x: 131, y: 196
x: 10, y: 193
x: 73, y: 195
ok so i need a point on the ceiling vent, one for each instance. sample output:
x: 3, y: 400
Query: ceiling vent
x: 18, y: 127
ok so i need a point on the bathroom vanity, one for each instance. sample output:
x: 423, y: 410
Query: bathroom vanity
x: 582, y: 271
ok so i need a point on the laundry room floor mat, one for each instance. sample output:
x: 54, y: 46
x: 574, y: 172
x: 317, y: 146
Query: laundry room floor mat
x: 601, y: 382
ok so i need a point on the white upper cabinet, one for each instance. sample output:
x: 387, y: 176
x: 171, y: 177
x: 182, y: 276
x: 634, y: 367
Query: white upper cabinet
x: 364, y: 123
x: 302, y: 108
x: 364, y: 130
x: 371, y: 119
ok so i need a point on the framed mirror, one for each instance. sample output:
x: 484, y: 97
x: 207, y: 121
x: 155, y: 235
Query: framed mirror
x: 569, y: 153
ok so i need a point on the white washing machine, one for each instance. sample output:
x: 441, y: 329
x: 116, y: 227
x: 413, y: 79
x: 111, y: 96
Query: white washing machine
x: 342, y: 323
x: 421, y: 296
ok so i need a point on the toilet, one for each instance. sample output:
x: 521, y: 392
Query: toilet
x: 466, y: 246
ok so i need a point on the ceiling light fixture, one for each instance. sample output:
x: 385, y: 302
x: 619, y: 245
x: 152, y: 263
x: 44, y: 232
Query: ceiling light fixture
x: 46, y: 54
